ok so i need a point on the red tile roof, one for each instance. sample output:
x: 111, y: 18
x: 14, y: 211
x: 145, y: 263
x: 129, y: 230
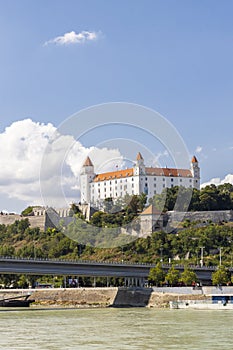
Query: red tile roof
x: 114, y: 175
x: 139, y: 156
x: 169, y: 172
x: 194, y: 160
x: 151, y: 210
x: 87, y: 162
x: 149, y: 171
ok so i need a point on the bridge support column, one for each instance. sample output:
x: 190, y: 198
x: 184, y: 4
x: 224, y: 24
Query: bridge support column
x: 142, y: 282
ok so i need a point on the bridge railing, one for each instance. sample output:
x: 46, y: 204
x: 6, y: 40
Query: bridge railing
x: 123, y: 263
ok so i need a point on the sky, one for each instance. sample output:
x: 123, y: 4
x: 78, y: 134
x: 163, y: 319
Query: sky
x: 61, y: 57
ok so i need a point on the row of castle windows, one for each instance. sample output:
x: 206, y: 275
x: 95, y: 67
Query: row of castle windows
x: 172, y: 180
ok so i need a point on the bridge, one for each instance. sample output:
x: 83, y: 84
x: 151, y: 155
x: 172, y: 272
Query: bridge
x: 134, y: 273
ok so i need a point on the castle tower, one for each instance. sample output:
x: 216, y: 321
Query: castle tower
x: 139, y: 168
x: 195, y: 169
x: 86, y: 176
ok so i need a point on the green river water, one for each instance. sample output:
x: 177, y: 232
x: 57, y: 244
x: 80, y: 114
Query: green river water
x: 124, y: 329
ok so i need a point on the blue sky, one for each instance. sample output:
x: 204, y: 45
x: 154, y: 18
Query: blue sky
x: 172, y: 56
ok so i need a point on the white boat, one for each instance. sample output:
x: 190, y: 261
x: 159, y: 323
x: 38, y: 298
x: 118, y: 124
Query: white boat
x: 216, y: 302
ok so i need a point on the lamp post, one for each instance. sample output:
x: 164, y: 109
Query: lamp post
x: 202, y: 256
x: 161, y: 254
x: 220, y: 256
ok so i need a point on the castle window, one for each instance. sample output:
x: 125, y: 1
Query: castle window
x: 98, y: 190
x: 190, y: 180
x: 163, y: 179
x: 121, y: 187
x: 116, y: 194
x: 146, y: 178
x: 121, y: 194
x: 105, y: 184
x: 115, y: 181
x: 154, y: 178
x: 115, y: 188
x: 154, y: 192
x: 98, y: 184
x: 146, y: 184
x: 110, y: 182
x: 132, y: 179
x: 196, y: 181
x: 180, y: 180
x: 163, y: 186
x: 125, y: 180
x: 172, y: 180
x: 132, y: 191
x: 154, y: 185
x: 132, y: 185
x: 105, y: 190
x: 110, y: 188
x: 172, y: 185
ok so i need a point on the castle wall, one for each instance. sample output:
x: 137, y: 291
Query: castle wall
x: 202, y: 216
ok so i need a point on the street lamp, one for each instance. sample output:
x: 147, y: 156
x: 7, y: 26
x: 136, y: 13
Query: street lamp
x: 202, y: 256
x: 161, y: 254
x: 220, y: 256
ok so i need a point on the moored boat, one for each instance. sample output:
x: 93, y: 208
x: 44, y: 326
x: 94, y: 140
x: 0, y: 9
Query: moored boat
x: 216, y: 302
x: 16, y: 301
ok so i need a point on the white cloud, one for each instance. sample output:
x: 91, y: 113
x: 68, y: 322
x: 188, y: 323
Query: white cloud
x: 198, y: 149
x: 74, y: 38
x: 23, y: 146
x: 217, y: 181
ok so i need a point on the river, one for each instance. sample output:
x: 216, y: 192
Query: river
x: 123, y: 329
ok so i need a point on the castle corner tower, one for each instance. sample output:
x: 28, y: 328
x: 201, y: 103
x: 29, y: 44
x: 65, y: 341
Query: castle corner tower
x: 86, y: 176
x: 195, y: 169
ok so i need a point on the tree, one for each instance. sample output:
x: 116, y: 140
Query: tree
x: 220, y: 276
x: 27, y: 211
x: 157, y: 274
x: 172, y: 276
x: 108, y: 204
x: 188, y: 277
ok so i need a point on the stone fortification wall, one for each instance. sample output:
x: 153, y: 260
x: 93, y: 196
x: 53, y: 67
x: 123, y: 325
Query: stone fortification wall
x: 202, y: 216
x: 42, y: 219
x: 8, y: 219
x: 35, y: 221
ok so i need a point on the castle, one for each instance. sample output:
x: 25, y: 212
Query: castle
x: 95, y: 188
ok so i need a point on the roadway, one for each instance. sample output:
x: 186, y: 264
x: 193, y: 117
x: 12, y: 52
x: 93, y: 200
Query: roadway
x: 10, y: 265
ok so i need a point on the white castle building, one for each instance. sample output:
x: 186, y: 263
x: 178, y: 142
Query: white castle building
x: 136, y: 180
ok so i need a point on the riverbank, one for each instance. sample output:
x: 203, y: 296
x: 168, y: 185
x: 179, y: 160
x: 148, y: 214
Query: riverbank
x: 113, y: 296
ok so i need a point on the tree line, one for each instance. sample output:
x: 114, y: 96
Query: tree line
x: 188, y: 277
x: 208, y: 198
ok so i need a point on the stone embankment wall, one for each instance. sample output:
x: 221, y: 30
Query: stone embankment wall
x: 115, y: 297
